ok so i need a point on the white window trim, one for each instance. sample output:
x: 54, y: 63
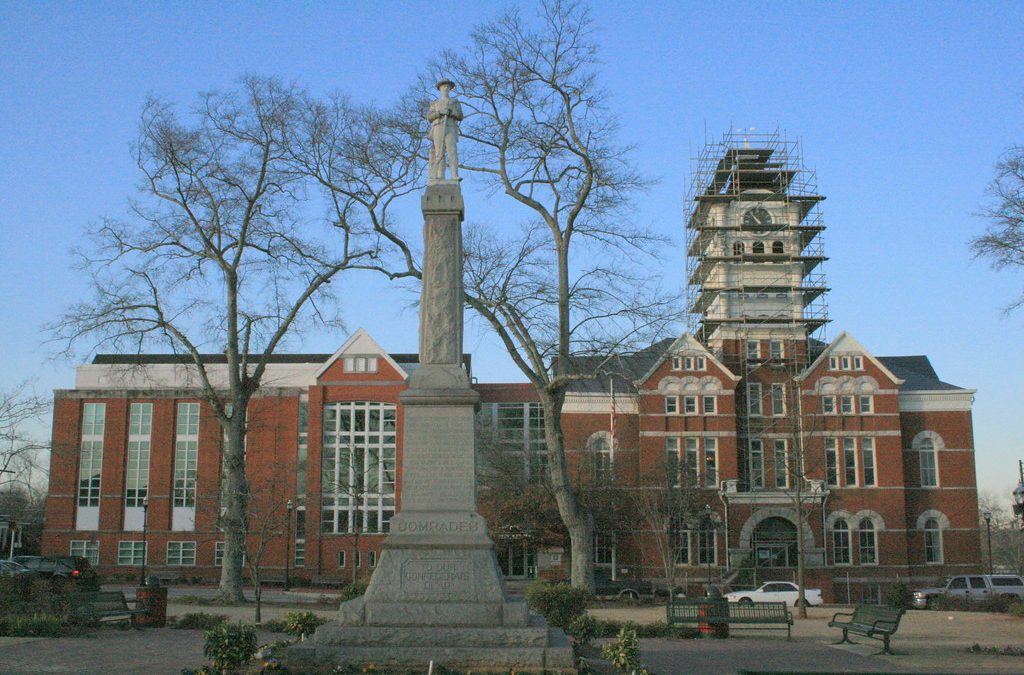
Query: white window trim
x: 780, y: 410
x: 93, y: 555
x: 704, y: 405
x: 755, y: 402
x: 182, y: 547
x: 671, y: 405
x: 145, y: 552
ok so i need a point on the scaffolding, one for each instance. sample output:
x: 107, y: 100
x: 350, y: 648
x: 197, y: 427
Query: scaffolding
x: 755, y: 254
x: 782, y: 284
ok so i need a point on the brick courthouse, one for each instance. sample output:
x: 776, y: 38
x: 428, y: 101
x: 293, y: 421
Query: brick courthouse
x: 742, y: 410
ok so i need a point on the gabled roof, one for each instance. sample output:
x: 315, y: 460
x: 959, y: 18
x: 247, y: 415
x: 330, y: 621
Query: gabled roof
x: 622, y: 369
x: 361, y: 344
x: 685, y: 342
x: 845, y: 342
x: 917, y: 373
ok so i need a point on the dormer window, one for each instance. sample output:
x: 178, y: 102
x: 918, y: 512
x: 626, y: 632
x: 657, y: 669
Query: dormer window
x: 778, y: 248
x: 759, y: 247
x: 737, y: 248
x: 360, y: 364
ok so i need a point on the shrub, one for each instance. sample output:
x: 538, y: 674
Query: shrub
x: 273, y: 626
x: 200, y: 621
x: 37, y: 625
x: 1016, y: 609
x: 298, y: 624
x: 899, y: 596
x: 583, y: 630
x: 991, y: 603
x: 353, y: 590
x: 559, y: 604
x: 624, y: 651
x: 229, y: 645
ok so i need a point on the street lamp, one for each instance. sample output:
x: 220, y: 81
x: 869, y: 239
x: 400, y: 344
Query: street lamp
x: 145, y: 546
x: 288, y: 545
x: 987, y: 515
x: 708, y: 525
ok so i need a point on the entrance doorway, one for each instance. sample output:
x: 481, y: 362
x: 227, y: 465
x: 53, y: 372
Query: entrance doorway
x: 775, y: 543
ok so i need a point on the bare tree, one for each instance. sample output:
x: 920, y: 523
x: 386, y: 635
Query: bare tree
x: 664, y: 506
x: 225, y: 251
x: 266, y: 521
x: 1007, y: 538
x: 1003, y: 241
x: 571, y: 282
x: 20, y: 409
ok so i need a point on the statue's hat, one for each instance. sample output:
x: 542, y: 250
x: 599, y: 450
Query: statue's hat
x: 444, y: 82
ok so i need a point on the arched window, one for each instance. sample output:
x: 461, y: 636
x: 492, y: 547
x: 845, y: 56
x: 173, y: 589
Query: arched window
x: 603, y: 454
x: 759, y: 247
x: 841, y: 542
x: 868, y: 546
x: 932, y: 542
x: 737, y: 248
x: 778, y: 247
x: 928, y: 462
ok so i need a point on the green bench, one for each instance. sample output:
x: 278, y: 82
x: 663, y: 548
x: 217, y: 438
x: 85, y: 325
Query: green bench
x: 763, y: 615
x: 871, y: 621
x: 98, y: 605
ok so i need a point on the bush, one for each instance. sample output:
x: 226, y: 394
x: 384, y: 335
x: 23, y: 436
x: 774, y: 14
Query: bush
x: 298, y: 624
x: 37, y: 625
x: 624, y: 651
x: 1016, y: 609
x: 583, y: 630
x: 899, y: 596
x: 559, y: 604
x: 273, y: 626
x: 229, y: 645
x: 200, y: 621
x: 353, y: 590
x: 992, y: 603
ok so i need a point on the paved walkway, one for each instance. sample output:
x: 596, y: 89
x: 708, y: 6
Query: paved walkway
x: 928, y: 642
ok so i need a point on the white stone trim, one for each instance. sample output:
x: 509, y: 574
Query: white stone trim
x: 625, y: 404
x: 928, y: 401
x: 938, y: 515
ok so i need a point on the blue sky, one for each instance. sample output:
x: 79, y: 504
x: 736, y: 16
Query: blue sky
x: 902, y: 108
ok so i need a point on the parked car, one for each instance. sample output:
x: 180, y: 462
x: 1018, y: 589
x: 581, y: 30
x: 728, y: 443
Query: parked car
x: 9, y: 568
x: 623, y: 589
x: 972, y: 587
x: 67, y: 567
x: 776, y: 591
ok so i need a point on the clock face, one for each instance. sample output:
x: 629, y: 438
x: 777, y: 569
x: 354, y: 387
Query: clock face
x: 757, y: 217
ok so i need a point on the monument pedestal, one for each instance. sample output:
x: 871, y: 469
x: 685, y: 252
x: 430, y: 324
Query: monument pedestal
x: 437, y: 593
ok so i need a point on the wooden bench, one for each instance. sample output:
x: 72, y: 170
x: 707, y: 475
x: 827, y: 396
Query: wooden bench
x: 871, y: 621
x: 98, y: 605
x: 746, y: 614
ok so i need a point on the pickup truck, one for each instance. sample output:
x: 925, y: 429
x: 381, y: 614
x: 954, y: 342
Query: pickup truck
x: 776, y: 591
x: 973, y: 587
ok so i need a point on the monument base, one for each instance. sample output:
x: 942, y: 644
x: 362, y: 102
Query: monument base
x: 535, y: 648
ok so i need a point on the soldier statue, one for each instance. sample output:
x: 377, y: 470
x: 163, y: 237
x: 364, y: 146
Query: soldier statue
x: 445, y: 114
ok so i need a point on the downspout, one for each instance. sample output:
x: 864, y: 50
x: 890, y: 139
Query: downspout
x: 725, y: 508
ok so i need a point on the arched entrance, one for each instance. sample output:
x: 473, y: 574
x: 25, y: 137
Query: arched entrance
x: 774, y: 543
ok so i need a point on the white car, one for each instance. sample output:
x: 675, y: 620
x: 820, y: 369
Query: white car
x: 776, y: 591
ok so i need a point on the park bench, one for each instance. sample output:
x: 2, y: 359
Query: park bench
x: 769, y: 615
x: 871, y: 621
x: 98, y: 605
x: 329, y: 580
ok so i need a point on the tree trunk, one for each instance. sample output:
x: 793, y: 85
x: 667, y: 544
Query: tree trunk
x: 258, y: 591
x: 801, y: 600
x: 577, y: 519
x: 236, y: 498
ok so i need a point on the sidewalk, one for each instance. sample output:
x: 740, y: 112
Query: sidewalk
x: 927, y: 642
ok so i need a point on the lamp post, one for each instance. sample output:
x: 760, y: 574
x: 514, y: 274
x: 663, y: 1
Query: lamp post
x: 145, y: 546
x: 288, y: 545
x: 987, y: 515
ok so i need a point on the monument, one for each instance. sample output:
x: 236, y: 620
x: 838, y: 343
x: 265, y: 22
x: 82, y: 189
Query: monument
x: 437, y: 593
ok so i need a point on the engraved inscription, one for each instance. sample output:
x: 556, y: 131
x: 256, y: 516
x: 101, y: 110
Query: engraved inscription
x: 428, y: 526
x: 450, y: 578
